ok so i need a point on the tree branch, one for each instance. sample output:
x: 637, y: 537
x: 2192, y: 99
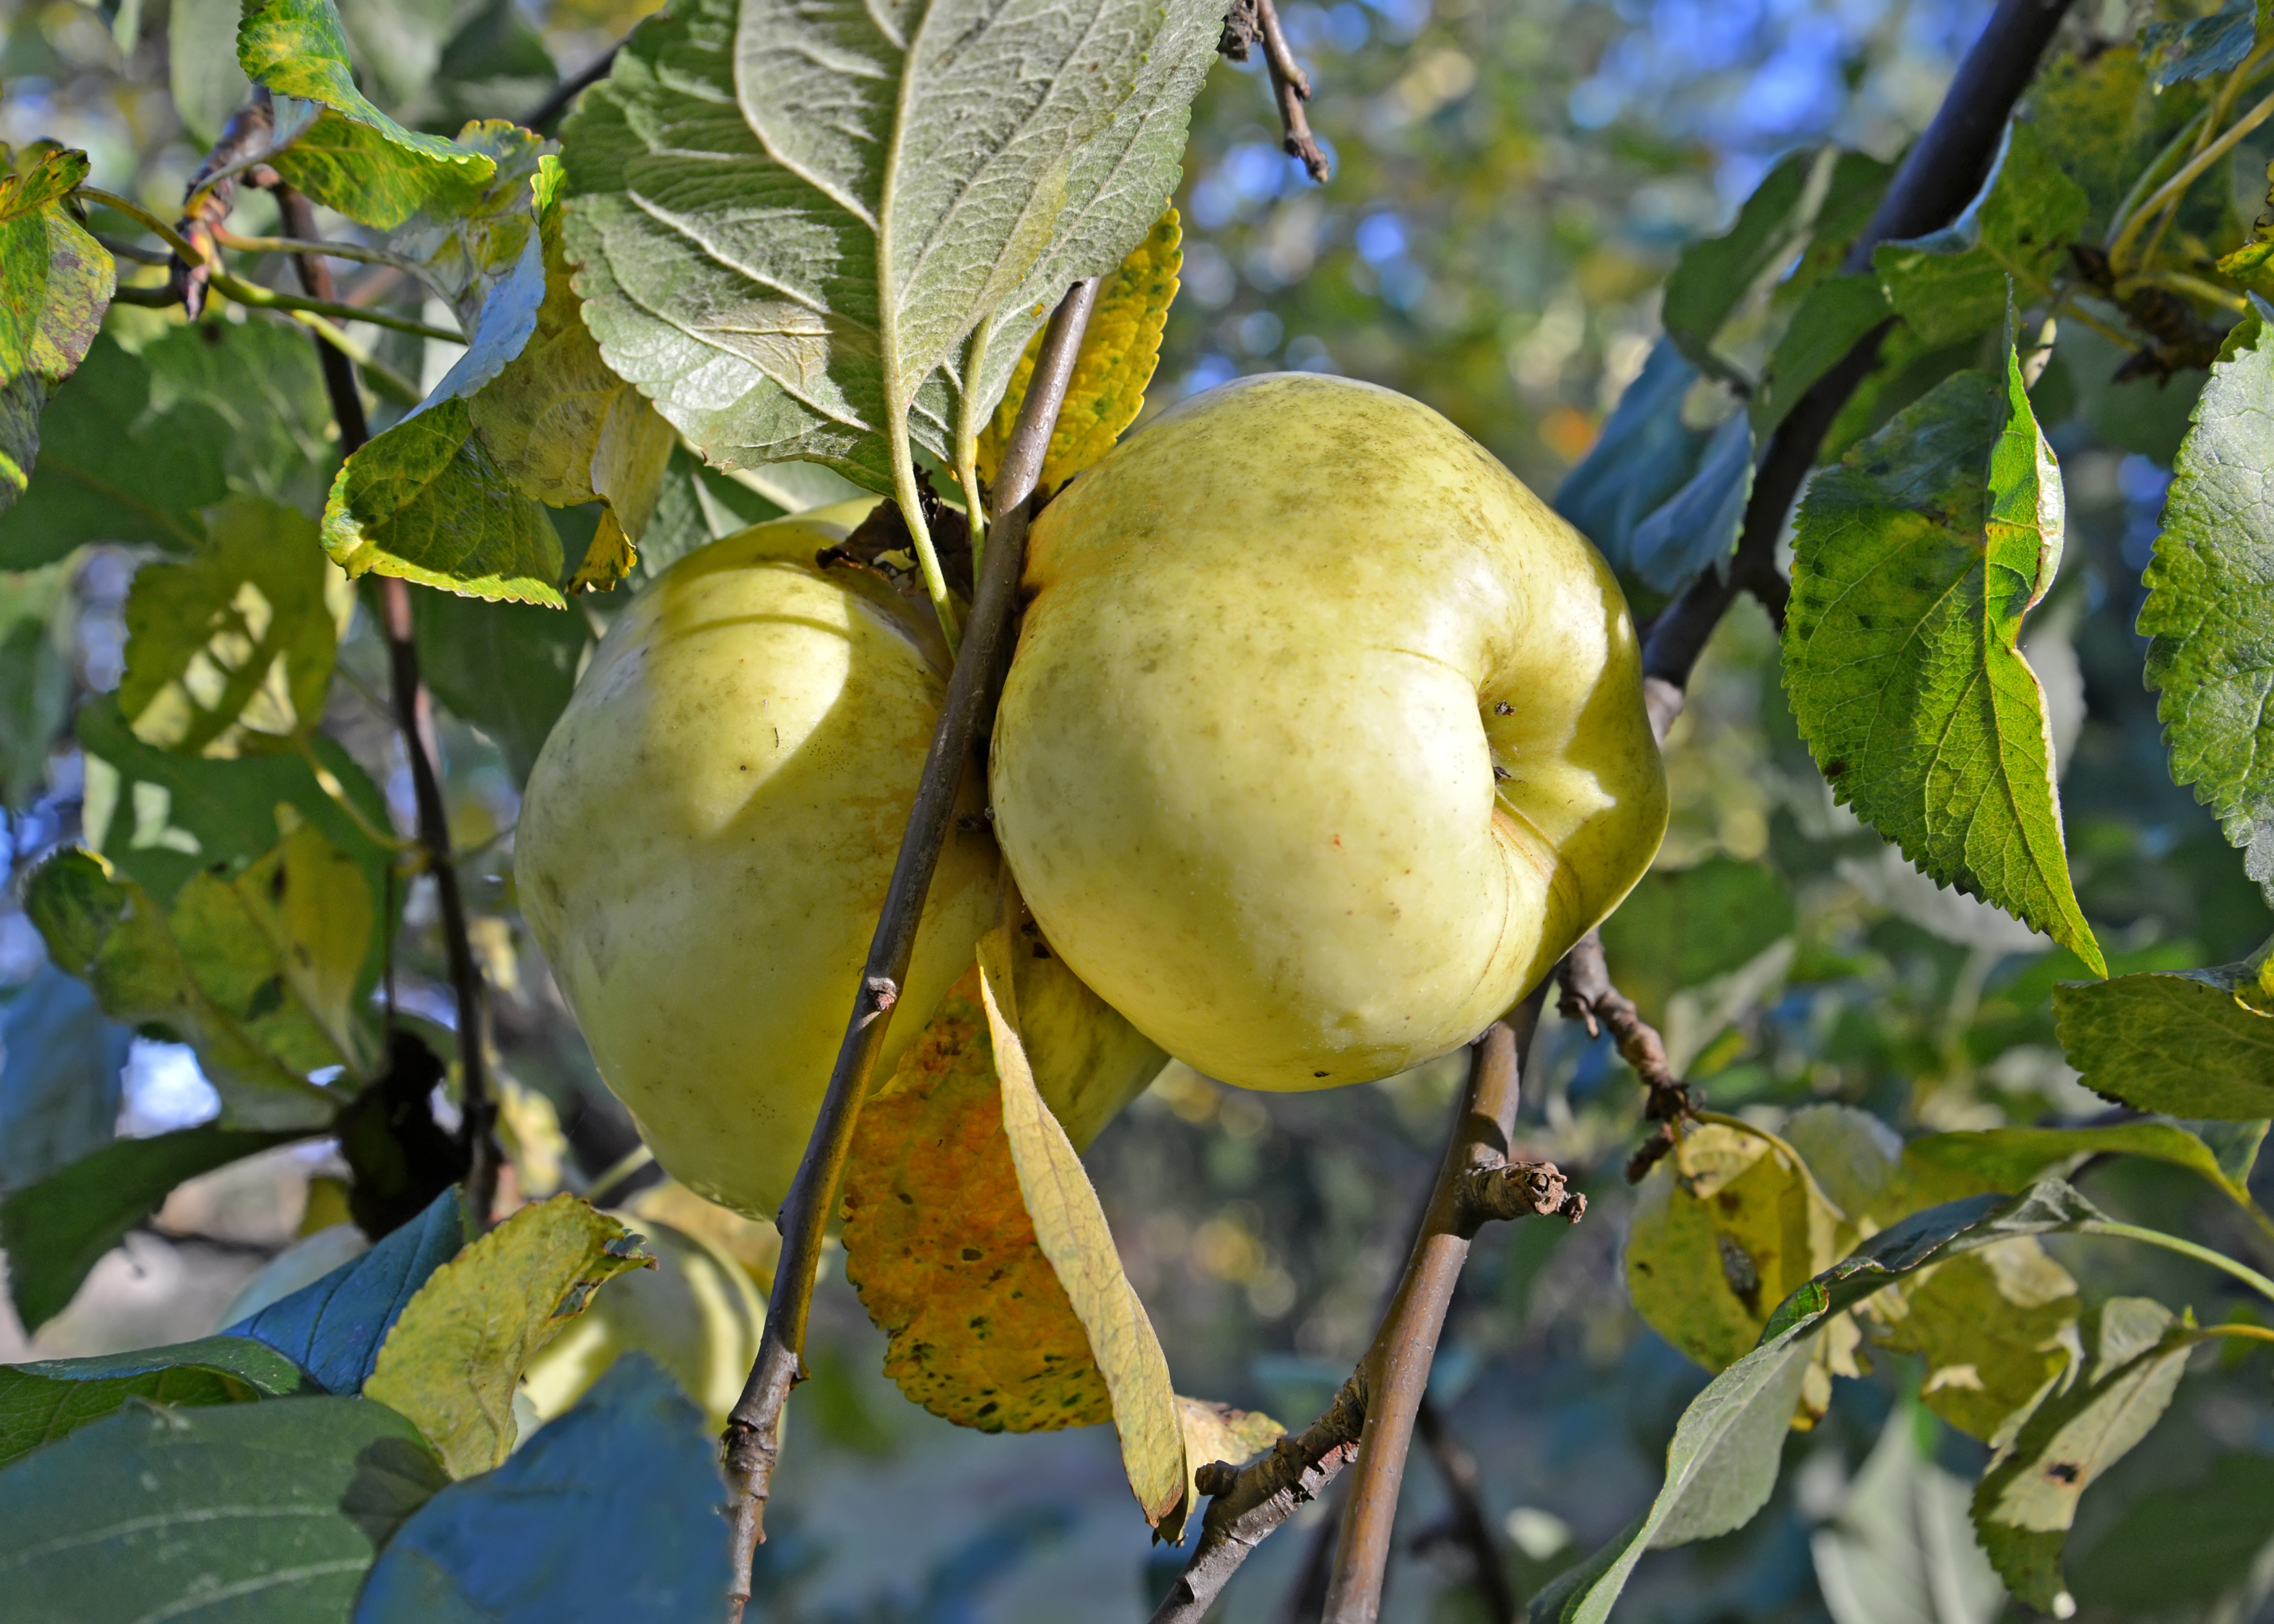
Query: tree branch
x: 1588, y: 996
x: 1249, y: 22
x: 414, y: 716
x: 753, y: 1436
x: 1939, y: 178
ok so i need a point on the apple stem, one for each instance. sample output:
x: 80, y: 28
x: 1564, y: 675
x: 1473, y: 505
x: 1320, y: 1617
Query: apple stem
x: 414, y: 716
x: 752, y: 1442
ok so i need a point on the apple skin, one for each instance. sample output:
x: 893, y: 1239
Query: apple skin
x: 1244, y: 768
x: 709, y: 832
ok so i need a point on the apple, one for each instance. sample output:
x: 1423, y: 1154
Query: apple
x: 709, y: 832
x: 1324, y: 738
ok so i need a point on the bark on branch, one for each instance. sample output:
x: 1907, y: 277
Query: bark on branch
x: 1251, y: 22
x: 753, y: 1436
x: 1589, y: 997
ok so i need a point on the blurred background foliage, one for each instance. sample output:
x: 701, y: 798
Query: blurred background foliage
x: 1513, y: 179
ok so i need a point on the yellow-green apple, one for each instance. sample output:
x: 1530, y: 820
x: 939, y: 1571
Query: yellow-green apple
x: 709, y: 832
x: 1324, y: 738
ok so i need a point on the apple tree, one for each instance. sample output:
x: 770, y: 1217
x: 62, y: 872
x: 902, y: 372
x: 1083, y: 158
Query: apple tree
x: 749, y: 439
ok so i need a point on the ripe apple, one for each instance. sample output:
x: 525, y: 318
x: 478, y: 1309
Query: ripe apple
x: 1324, y: 738
x: 709, y: 832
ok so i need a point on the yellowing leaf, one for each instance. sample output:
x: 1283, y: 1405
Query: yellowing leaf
x: 1070, y: 1226
x: 939, y: 1245
x: 1993, y: 1326
x: 1120, y: 350
x: 255, y: 972
x: 1724, y: 1230
x: 1087, y: 1059
x: 1215, y: 1431
x: 232, y: 651
x: 453, y: 1360
x: 752, y: 1243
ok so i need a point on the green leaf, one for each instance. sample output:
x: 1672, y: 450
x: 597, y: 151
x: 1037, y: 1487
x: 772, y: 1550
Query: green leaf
x: 2007, y: 1158
x: 2201, y: 46
x: 2194, y: 1043
x: 352, y: 157
x: 42, y: 1402
x: 39, y: 618
x: 1954, y: 284
x: 610, y: 1512
x: 160, y: 818
x: 334, y: 1328
x: 453, y: 1358
x: 1773, y: 226
x: 113, y: 469
x: 507, y: 668
x: 1722, y: 1463
x: 1911, y: 574
x: 2103, y: 124
x: 2210, y: 597
x: 230, y: 652
x: 55, y: 282
x: 258, y: 973
x: 790, y: 277
x: 57, y: 1230
x: 2188, y: 1545
x: 2026, y: 1501
x: 262, y: 379
x: 1684, y: 926
x: 263, y: 1514
x: 1119, y: 349
x: 1834, y: 316
x: 530, y: 415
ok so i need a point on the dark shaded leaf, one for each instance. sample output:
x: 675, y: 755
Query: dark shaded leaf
x: 607, y: 1515
x: 59, y: 1085
x: 1644, y: 455
x: 1695, y: 530
x: 2180, y: 1545
x: 507, y: 668
x: 697, y: 506
x: 57, y: 1230
x: 1682, y: 927
x: 1837, y: 313
x: 2201, y: 46
x: 42, y: 1402
x: 262, y: 1513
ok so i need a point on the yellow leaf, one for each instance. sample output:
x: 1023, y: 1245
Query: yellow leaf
x: 1215, y: 1431
x: 1993, y: 1327
x: 938, y: 1243
x: 1119, y: 353
x: 1069, y: 1225
x: 311, y: 902
x: 454, y: 1358
x: 752, y: 1242
x: 1087, y: 1059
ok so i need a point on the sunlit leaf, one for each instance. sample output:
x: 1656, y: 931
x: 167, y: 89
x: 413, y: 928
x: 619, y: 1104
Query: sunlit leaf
x: 1952, y: 283
x: 927, y: 199
x: 1915, y: 560
x: 454, y: 1356
x: 56, y: 281
x: 2210, y: 596
x: 2028, y: 1499
x: 57, y: 1230
x: 610, y: 1512
x: 156, y: 1513
x: 2102, y: 123
x: 454, y: 496
x: 1215, y: 1431
x: 1071, y: 1228
x: 352, y: 157
x: 1119, y: 349
x: 50, y: 1398
x: 2194, y: 1043
x: 230, y: 652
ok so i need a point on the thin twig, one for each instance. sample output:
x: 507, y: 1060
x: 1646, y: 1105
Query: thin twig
x: 1252, y: 22
x: 2168, y: 194
x: 1589, y: 997
x: 363, y: 252
x: 1397, y: 1368
x: 414, y: 716
x: 1464, y: 1487
x: 753, y: 1436
x: 212, y: 194
x: 570, y: 89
